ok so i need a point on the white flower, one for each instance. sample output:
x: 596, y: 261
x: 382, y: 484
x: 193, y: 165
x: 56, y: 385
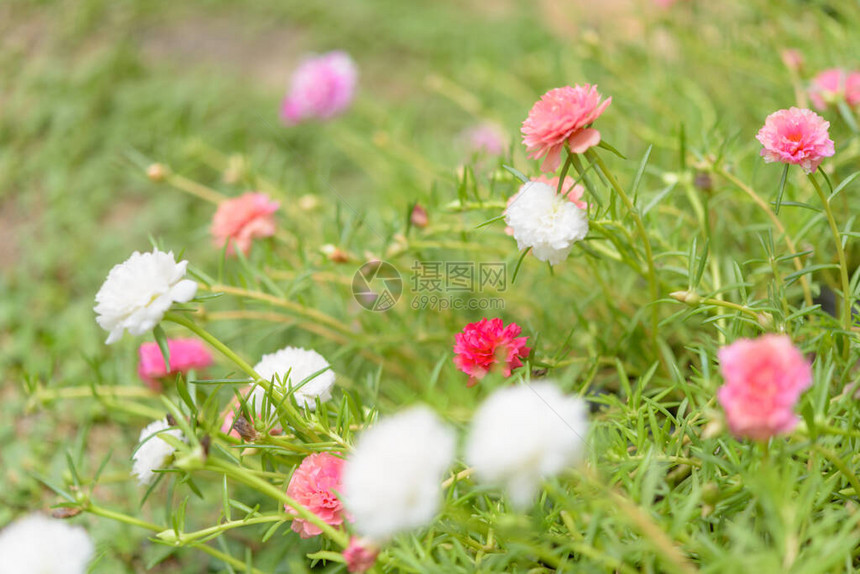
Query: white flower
x: 138, y: 292
x: 392, y: 480
x: 152, y: 453
x: 523, y: 434
x: 290, y: 366
x: 545, y: 221
x: 36, y: 544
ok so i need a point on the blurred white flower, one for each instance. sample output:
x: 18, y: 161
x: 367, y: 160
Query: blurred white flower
x: 287, y: 368
x: 545, y: 221
x: 151, y: 454
x: 392, y: 480
x: 138, y: 292
x: 523, y: 434
x: 36, y: 544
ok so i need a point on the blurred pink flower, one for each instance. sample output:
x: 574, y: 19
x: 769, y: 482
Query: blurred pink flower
x: 793, y: 59
x: 573, y: 192
x: 185, y: 355
x: 764, y: 378
x: 486, y: 138
x: 563, y: 116
x: 835, y: 85
x: 359, y: 555
x: 242, y: 219
x: 314, y: 485
x: 486, y: 343
x: 796, y: 136
x: 320, y: 88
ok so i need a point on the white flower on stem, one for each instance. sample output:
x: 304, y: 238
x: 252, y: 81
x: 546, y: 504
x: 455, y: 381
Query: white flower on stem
x: 521, y: 435
x: 287, y: 369
x: 153, y: 451
x: 392, y: 480
x: 545, y: 221
x: 35, y: 544
x: 138, y: 291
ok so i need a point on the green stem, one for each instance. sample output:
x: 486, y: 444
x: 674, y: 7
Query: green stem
x: 653, y: 286
x: 567, y: 163
x: 290, y: 413
x: 840, y: 253
x: 266, y: 488
x: 187, y: 537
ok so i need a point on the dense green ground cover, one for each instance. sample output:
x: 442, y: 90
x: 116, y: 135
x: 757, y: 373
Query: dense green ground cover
x: 92, y: 92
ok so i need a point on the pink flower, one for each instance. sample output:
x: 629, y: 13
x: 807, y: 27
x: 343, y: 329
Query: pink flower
x: 185, y: 355
x: 563, y: 116
x: 321, y: 87
x: 359, y: 555
x: 792, y: 59
x: 835, y: 85
x: 764, y: 378
x: 314, y: 485
x: 242, y: 219
x: 486, y: 343
x: 796, y: 136
x: 573, y: 192
x: 486, y: 138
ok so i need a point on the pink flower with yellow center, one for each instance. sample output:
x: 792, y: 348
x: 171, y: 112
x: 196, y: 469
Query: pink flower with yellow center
x: 563, y: 116
x: 796, y: 136
x: 487, y: 343
x: 764, y: 379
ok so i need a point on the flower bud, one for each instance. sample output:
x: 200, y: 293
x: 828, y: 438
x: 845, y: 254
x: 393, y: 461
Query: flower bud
x: 418, y: 218
x: 157, y: 172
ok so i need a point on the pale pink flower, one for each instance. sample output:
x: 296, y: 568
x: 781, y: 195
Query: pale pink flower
x: 835, y: 85
x: 764, y: 378
x: 796, y: 136
x: 185, y: 355
x: 486, y: 343
x: 570, y: 189
x: 664, y: 3
x: 563, y: 116
x: 360, y: 555
x: 321, y: 87
x: 792, y: 59
x: 486, y: 138
x: 314, y: 485
x: 240, y: 220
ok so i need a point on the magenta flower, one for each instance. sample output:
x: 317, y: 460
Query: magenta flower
x: 240, y: 220
x: 359, y: 555
x: 764, y: 378
x: 488, y: 342
x: 314, y: 485
x: 185, y: 355
x: 835, y: 85
x: 796, y: 136
x: 321, y: 87
x: 563, y: 116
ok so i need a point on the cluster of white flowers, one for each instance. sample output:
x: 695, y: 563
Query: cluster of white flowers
x: 392, y: 481
x: 138, y: 292
x: 287, y: 369
x: 153, y: 451
x: 545, y: 221
x: 521, y: 435
x: 36, y: 544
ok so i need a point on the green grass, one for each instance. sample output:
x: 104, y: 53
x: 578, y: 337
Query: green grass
x: 91, y: 92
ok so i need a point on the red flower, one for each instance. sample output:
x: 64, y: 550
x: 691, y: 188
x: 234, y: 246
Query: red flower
x: 486, y: 343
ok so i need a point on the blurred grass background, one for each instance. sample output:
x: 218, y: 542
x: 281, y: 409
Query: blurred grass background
x: 90, y: 90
